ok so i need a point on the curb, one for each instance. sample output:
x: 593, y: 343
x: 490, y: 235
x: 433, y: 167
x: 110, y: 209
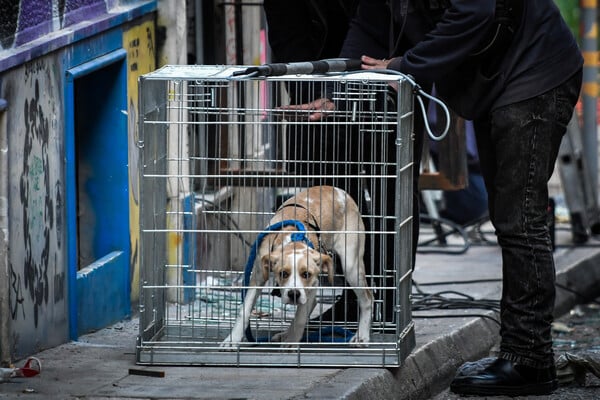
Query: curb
x: 429, y: 369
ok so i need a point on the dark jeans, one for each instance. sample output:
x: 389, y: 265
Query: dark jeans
x: 518, y: 146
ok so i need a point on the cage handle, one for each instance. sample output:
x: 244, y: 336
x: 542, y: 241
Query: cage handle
x: 300, y: 68
x: 345, y: 65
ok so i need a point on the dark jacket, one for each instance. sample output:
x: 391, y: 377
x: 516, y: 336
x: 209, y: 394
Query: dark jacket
x: 438, y: 42
x: 307, y: 30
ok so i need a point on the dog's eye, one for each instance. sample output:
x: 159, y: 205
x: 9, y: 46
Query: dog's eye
x: 306, y: 275
x: 284, y: 274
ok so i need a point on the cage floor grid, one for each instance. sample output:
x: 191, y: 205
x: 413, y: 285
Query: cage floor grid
x: 176, y: 345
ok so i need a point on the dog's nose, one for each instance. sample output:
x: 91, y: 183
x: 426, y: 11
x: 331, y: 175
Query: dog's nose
x: 294, y: 296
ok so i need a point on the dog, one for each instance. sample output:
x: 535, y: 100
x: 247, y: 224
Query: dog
x: 332, y: 221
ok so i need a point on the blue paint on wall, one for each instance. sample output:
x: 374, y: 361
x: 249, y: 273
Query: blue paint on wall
x: 97, y: 202
x: 96, y: 22
x: 27, y: 20
x: 35, y: 20
x: 101, y: 119
x: 82, y: 10
x: 95, y: 284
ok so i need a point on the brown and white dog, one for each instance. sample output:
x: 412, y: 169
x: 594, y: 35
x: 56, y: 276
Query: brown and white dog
x: 332, y: 221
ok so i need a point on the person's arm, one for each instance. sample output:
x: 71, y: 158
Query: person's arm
x: 368, y: 33
x: 462, y: 30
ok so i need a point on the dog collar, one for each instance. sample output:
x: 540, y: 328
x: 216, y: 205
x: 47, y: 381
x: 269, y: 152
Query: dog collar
x: 299, y: 236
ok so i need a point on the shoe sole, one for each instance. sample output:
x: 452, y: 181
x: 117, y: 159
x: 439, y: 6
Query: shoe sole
x: 536, y: 389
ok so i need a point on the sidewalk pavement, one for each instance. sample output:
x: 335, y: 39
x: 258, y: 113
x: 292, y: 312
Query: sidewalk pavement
x: 102, y: 365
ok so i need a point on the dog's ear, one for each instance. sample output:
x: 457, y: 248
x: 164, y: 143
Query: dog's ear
x: 326, y: 263
x: 267, y: 262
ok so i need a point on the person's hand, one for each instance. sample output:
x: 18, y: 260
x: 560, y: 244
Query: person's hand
x: 374, y: 63
x: 320, y: 107
x: 377, y: 64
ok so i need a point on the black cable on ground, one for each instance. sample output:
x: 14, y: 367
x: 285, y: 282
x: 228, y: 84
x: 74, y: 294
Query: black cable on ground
x: 433, y: 316
x: 423, y: 301
x: 451, y: 300
x: 459, y: 282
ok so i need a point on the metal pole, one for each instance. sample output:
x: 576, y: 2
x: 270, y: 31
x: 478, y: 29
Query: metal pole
x: 589, y: 46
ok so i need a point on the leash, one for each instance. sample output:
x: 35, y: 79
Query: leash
x: 299, y: 236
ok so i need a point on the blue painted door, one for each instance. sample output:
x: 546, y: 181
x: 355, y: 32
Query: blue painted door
x: 97, y: 193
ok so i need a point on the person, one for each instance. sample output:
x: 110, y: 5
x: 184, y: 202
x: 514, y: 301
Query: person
x: 307, y: 30
x: 311, y: 30
x: 514, y: 68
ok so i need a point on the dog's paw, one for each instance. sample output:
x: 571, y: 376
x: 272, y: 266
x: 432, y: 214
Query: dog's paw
x: 229, y: 344
x: 279, y: 337
x: 285, y: 339
x: 359, y: 340
x: 227, y: 347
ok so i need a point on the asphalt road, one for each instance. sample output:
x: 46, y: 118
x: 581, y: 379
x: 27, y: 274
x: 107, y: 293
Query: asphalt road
x: 577, y: 332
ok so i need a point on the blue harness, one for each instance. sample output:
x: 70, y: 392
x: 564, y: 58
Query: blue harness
x: 299, y: 236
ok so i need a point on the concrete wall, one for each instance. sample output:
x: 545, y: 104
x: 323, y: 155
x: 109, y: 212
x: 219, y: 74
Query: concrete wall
x: 34, y: 288
x: 36, y: 262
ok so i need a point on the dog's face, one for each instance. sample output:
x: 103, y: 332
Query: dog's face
x: 296, y: 268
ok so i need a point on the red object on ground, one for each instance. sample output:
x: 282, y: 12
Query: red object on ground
x: 32, y: 367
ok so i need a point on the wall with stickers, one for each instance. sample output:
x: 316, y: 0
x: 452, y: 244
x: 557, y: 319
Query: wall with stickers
x: 68, y: 78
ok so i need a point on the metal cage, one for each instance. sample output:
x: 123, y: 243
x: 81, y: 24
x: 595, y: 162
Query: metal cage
x: 218, y: 154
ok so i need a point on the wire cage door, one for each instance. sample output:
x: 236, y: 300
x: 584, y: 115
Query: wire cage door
x: 218, y: 155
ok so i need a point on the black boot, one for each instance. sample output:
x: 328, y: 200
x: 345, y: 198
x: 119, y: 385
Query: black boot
x: 503, y: 377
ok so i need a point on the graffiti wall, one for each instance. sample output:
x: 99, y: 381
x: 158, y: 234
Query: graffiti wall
x: 40, y: 291
x: 25, y: 20
x: 141, y: 58
x: 36, y: 267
